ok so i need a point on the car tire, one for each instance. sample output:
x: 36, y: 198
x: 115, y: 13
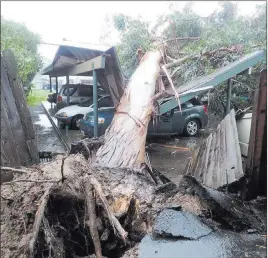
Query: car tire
x: 191, y: 128
x: 74, y: 123
x: 60, y: 125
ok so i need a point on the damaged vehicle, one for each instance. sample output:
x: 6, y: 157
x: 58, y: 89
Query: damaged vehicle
x: 192, y: 117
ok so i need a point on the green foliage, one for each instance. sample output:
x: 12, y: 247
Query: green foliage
x: 23, y: 43
x: 183, y: 23
x: 134, y: 34
x: 228, y: 12
x: 120, y: 22
x: 224, y: 28
x: 35, y: 97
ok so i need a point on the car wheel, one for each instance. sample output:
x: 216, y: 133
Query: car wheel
x: 74, y: 123
x: 191, y: 128
x: 60, y: 125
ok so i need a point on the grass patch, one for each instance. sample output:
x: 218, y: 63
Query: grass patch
x: 36, y: 97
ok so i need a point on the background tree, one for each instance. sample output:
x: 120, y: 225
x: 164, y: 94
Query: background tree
x: 23, y: 43
x: 134, y: 34
x: 224, y: 28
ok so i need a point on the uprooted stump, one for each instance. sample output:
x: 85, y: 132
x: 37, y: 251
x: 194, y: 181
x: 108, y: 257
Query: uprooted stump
x: 47, y: 213
x: 68, y: 208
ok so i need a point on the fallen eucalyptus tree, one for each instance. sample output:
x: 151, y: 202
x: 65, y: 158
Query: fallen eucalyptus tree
x: 99, y: 203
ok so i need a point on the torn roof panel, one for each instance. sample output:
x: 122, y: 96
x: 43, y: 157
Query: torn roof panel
x: 218, y: 160
x: 220, y: 75
x: 230, y: 69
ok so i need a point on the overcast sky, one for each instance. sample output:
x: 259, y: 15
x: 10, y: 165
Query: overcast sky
x: 84, y: 21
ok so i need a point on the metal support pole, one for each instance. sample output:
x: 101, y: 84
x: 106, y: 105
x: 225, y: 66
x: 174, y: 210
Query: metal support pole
x: 68, y: 93
x: 50, y: 84
x: 95, y: 102
x: 66, y: 130
x: 229, y: 95
x: 57, y: 86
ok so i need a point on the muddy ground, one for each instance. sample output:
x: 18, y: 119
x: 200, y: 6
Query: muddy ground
x: 68, y: 135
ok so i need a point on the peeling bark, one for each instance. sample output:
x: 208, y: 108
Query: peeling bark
x: 124, y: 144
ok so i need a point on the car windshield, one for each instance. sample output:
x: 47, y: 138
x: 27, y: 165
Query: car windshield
x: 87, y: 103
x: 71, y: 91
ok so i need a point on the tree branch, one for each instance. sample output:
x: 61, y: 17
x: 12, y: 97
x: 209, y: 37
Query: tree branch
x: 16, y: 170
x: 30, y: 180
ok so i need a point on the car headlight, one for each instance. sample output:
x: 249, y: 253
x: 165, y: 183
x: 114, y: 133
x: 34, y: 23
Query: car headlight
x: 101, y: 120
x: 63, y: 114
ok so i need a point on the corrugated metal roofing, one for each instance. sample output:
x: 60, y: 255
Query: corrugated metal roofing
x: 70, y: 54
x: 96, y: 47
x: 80, y: 51
x: 218, y: 160
x: 220, y: 75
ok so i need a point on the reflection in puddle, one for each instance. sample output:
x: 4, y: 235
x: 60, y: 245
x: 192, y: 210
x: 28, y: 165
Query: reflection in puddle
x: 43, y: 121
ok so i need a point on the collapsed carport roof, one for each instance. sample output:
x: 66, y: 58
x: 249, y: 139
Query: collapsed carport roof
x: 69, y: 56
x: 206, y: 82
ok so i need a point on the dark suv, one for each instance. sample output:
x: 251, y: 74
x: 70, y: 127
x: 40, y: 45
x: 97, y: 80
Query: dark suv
x: 192, y: 117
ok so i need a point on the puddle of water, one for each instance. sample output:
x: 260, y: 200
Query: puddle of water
x: 43, y: 121
x: 72, y: 135
x: 185, y: 142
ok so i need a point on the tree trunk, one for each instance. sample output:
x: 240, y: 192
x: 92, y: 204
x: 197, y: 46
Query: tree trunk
x: 124, y: 143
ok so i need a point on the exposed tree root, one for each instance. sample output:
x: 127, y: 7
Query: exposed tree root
x: 90, y: 200
x: 114, y: 221
x: 16, y: 170
x: 38, y: 220
x: 54, y: 223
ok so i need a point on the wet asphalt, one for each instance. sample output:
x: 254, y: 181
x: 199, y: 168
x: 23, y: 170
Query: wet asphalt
x: 46, y: 136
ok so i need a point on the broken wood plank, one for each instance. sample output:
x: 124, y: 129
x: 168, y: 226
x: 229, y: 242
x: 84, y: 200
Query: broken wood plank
x: 256, y: 167
x: 14, y: 102
x: 219, y: 163
x: 227, y: 209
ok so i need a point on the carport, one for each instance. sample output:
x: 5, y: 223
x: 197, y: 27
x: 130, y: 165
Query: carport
x: 86, y: 60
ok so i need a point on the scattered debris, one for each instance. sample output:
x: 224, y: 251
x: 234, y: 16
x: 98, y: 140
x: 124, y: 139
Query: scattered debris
x: 227, y: 209
x: 250, y: 231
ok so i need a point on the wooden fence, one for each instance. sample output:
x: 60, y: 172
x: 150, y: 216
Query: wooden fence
x: 18, y: 143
